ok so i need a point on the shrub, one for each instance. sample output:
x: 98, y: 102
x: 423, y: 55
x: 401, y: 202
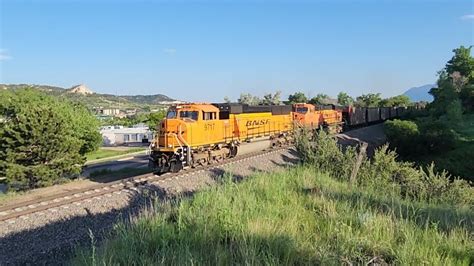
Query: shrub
x: 321, y: 150
x: 436, y: 137
x: 384, y: 172
x: 403, y: 135
x: 412, y: 140
x: 440, y: 188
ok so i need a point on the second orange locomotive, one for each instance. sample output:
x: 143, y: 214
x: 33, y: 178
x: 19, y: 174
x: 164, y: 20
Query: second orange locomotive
x: 199, y: 134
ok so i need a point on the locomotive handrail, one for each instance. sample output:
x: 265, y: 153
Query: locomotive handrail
x: 188, y: 148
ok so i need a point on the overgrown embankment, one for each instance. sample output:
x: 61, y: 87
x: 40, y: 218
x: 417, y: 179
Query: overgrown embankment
x: 390, y: 213
x: 448, y: 144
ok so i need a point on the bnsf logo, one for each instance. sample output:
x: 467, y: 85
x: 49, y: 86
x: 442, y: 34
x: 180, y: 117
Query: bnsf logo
x: 257, y: 122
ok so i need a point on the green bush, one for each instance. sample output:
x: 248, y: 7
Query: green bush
x: 436, y: 137
x: 322, y: 151
x: 412, y: 140
x: 403, y: 135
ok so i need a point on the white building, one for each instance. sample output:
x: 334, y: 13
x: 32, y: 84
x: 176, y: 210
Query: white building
x: 112, y: 136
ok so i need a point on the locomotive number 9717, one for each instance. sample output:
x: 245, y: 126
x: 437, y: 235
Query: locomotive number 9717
x: 209, y: 127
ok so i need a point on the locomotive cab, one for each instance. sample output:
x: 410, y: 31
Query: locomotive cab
x: 304, y: 114
x: 185, y: 136
x: 195, y: 134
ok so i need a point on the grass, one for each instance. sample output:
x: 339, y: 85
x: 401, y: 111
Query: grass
x: 107, y: 152
x: 300, y: 216
x: 4, y: 197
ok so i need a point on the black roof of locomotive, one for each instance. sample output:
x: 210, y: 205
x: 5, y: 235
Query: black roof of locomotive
x: 237, y: 108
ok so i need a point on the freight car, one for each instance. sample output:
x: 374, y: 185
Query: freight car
x: 373, y: 115
x: 401, y: 111
x: 393, y: 112
x: 199, y: 134
x: 361, y: 116
x: 384, y: 113
x: 354, y: 116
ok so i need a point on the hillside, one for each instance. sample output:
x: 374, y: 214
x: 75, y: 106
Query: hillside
x: 148, y: 99
x: 421, y: 93
x: 294, y: 218
x: 81, y: 93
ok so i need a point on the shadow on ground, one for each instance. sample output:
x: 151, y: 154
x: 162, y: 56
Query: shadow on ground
x: 55, y: 242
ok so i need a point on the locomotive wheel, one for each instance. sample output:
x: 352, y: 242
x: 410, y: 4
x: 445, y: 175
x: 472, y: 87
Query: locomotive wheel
x: 202, y: 162
x: 175, y: 166
x: 233, y: 151
x: 218, y: 158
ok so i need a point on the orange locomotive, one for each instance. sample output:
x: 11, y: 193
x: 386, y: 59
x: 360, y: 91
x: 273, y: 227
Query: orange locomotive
x: 309, y: 116
x: 199, y: 134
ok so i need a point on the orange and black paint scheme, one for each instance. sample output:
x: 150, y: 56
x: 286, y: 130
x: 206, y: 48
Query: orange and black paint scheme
x: 200, y: 133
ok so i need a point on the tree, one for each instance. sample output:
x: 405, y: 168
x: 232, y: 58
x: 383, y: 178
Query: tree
x: 344, y: 99
x: 227, y: 99
x: 454, y: 111
x: 154, y: 119
x: 455, y: 82
x: 400, y: 100
x: 297, y: 97
x: 247, y: 98
x: 461, y: 62
x: 320, y: 99
x: 85, y: 126
x: 369, y: 100
x: 443, y: 96
x: 42, y: 138
x: 272, y: 99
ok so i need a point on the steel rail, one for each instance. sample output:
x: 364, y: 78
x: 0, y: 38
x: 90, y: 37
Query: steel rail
x: 13, y: 211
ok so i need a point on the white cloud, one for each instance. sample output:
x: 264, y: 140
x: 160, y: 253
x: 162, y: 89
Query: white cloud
x: 169, y: 50
x: 4, y: 55
x: 468, y: 17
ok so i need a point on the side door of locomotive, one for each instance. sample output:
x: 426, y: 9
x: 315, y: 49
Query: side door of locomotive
x: 210, y: 127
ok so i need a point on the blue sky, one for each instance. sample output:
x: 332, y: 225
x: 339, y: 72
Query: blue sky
x: 205, y: 50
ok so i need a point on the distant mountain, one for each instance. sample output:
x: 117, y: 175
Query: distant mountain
x: 83, y: 94
x: 421, y: 93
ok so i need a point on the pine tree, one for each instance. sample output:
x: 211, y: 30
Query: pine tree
x: 42, y: 139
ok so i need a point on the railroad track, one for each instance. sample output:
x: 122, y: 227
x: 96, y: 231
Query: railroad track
x: 13, y: 211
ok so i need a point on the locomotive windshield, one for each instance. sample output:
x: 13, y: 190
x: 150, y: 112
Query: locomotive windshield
x: 171, y: 114
x: 302, y: 110
x: 189, y: 114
